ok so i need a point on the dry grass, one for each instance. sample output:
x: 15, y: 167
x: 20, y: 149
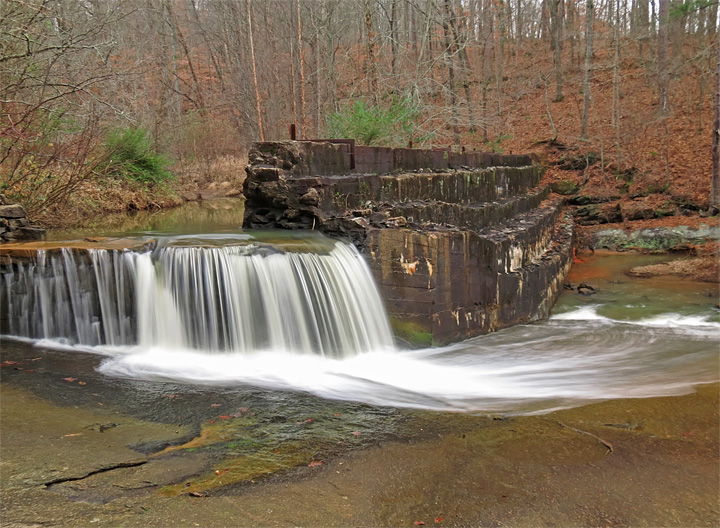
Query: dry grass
x: 207, y: 179
x: 219, y: 176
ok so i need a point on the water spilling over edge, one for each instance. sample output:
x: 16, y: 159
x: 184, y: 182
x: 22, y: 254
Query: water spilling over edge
x: 231, y: 298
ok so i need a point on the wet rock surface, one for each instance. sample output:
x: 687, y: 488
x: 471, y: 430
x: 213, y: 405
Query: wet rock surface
x: 646, y: 462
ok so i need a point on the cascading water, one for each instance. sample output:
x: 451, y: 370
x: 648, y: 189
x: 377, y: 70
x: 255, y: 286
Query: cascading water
x: 228, y: 310
x: 232, y: 298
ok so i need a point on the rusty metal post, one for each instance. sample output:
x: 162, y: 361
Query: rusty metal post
x: 293, y: 132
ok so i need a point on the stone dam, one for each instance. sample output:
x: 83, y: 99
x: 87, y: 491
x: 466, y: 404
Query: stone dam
x: 460, y: 244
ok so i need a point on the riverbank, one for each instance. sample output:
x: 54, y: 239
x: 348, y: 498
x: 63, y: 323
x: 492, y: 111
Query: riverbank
x: 637, y: 462
x: 696, y: 237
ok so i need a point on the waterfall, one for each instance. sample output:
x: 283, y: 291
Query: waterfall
x: 233, y: 298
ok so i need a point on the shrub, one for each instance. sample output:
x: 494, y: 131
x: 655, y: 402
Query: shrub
x: 131, y: 155
x: 390, y: 124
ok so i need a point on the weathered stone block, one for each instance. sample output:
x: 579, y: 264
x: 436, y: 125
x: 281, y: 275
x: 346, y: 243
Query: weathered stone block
x: 455, y: 253
x: 12, y: 211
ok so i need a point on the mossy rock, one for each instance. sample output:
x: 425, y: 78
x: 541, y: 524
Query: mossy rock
x: 564, y: 187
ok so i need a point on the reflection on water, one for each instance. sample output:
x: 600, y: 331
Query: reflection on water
x: 224, y: 214
x: 625, y: 298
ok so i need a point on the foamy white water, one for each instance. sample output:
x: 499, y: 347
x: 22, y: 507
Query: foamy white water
x: 233, y: 317
x: 533, y: 368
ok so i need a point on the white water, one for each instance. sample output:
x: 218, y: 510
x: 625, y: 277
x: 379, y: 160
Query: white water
x: 231, y: 317
x: 532, y: 368
x: 234, y: 298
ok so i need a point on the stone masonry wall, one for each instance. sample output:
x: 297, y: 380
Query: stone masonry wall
x: 14, y: 224
x: 460, y: 244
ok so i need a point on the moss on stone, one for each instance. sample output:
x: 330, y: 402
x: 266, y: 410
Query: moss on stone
x: 564, y: 187
x: 412, y: 331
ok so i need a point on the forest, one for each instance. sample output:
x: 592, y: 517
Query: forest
x: 113, y: 105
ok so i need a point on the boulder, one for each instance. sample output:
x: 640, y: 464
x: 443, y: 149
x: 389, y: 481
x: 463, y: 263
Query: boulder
x: 12, y: 211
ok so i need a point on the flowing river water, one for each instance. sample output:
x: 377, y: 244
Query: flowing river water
x: 285, y: 395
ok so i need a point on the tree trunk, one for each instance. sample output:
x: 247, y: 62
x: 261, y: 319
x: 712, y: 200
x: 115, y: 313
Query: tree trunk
x: 302, y: 73
x: 370, y: 64
x: 589, y: 16
x: 557, y: 15
x: 449, y: 53
x: 616, y: 115
x: 544, y: 16
x: 316, y: 76
x: 715, y: 182
x: 570, y: 28
x: 499, y: 73
x: 460, y: 39
x: 254, y: 70
x: 394, y: 43
x: 662, y: 58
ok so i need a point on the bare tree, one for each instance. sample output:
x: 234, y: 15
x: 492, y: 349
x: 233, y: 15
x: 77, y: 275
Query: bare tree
x: 663, y: 65
x: 557, y: 10
x: 589, y: 18
x: 715, y: 182
x: 54, y: 67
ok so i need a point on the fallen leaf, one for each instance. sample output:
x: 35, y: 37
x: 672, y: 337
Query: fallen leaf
x: 216, y: 405
x: 355, y: 433
x: 438, y: 520
x: 225, y: 417
x: 196, y: 494
x: 338, y: 414
x: 9, y: 362
x: 29, y: 370
x: 221, y: 471
x: 36, y: 359
x: 211, y: 421
x: 100, y: 403
x: 315, y: 463
x: 73, y: 434
x: 309, y: 420
x: 70, y: 380
x: 419, y: 523
x: 81, y: 383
